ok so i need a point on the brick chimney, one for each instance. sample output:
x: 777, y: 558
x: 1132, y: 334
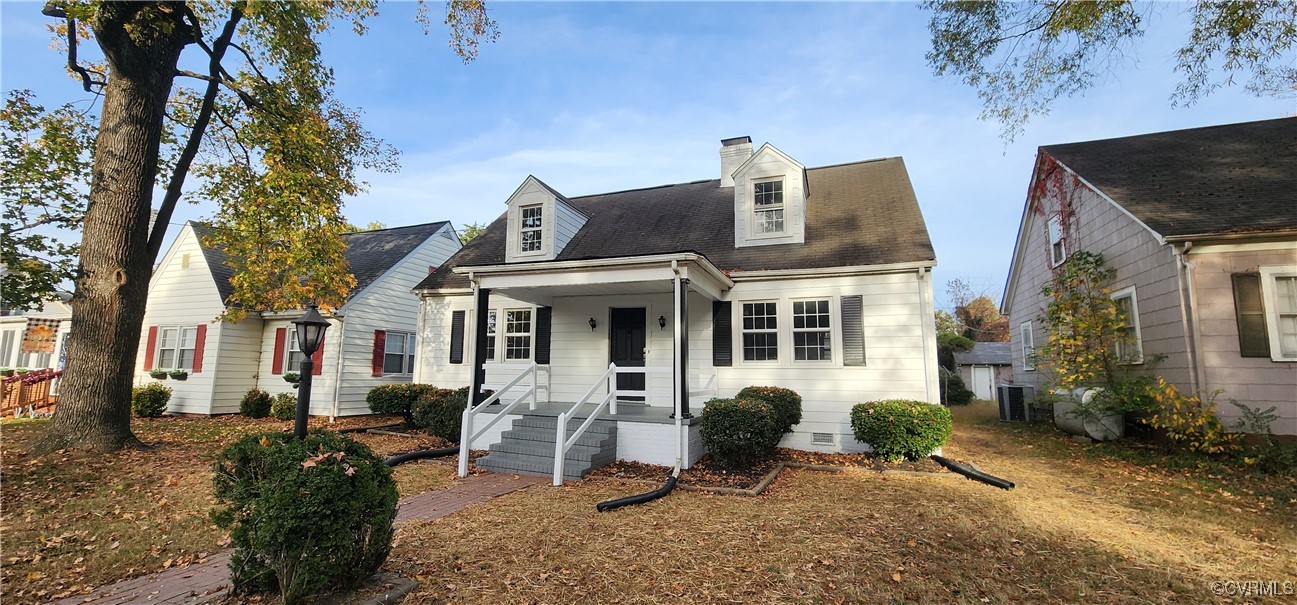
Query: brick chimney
x: 734, y: 152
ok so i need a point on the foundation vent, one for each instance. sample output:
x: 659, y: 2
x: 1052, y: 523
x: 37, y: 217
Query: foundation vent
x: 822, y: 439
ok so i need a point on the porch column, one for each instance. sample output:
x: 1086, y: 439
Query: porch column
x: 682, y: 347
x: 481, y: 297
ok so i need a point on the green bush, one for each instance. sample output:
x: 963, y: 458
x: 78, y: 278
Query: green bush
x: 953, y: 389
x: 440, y: 412
x: 255, y: 404
x: 739, y: 432
x: 303, y: 515
x: 150, y: 400
x: 901, y: 429
x: 396, y: 398
x: 786, y: 402
x: 283, y: 406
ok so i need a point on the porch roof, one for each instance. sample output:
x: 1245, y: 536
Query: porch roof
x: 541, y: 282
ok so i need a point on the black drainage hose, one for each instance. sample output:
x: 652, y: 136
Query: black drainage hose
x: 361, y: 429
x: 419, y: 454
x: 666, y: 488
x: 972, y: 473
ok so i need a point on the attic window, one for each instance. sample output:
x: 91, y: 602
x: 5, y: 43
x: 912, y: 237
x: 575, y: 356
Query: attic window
x: 184, y: 261
x: 1057, y: 247
x: 768, y: 206
x: 530, y: 228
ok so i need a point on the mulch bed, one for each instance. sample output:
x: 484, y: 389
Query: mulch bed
x: 705, y: 473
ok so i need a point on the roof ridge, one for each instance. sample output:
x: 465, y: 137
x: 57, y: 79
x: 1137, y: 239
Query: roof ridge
x: 642, y: 189
x: 869, y: 161
x: 1175, y: 131
x: 395, y: 228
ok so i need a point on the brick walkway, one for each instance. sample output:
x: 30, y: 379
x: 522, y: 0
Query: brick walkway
x: 200, y: 582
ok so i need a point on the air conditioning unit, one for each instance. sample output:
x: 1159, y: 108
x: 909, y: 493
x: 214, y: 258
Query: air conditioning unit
x: 1015, y: 403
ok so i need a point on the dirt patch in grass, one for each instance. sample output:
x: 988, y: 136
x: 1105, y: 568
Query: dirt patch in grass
x: 706, y: 473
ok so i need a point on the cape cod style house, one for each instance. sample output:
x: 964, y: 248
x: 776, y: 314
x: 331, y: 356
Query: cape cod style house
x: 814, y: 279
x: 370, y: 341
x: 1201, y: 228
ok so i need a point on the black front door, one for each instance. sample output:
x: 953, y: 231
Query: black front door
x: 628, y: 339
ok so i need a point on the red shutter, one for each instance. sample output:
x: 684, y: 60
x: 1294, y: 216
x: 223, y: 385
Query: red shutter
x: 148, y: 351
x: 277, y: 363
x: 318, y: 358
x: 199, y: 340
x: 376, y: 361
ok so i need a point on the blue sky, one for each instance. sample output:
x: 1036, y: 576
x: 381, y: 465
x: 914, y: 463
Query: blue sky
x: 602, y: 97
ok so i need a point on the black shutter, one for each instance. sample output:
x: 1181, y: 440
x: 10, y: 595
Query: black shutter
x: 544, y: 315
x: 1253, y: 340
x: 853, y: 332
x: 456, y: 337
x: 722, y: 334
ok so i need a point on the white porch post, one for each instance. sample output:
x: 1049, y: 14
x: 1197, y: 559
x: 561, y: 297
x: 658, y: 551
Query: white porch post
x: 682, y: 348
x: 481, y: 298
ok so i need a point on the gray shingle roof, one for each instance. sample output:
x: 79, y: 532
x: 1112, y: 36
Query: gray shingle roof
x: 1233, y: 178
x: 370, y: 253
x: 863, y: 213
x: 986, y: 354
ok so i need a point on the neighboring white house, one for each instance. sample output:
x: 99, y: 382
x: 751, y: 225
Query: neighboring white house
x: 370, y: 342
x: 1200, y: 226
x: 34, y: 339
x: 814, y: 279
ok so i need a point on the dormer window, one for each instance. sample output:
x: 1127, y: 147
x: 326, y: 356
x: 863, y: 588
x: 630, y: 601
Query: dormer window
x: 768, y: 205
x: 530, y: 229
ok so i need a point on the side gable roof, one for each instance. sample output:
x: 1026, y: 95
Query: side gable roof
x: 986, y: 354
x: 864, y: 213
x: 370, y: 253
x: 1232, y: 178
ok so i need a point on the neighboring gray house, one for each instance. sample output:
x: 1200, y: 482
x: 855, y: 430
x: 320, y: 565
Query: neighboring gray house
x: 371, y: 341
x: 985, y: 365
x: 1201, y: 228
x: 816, y: 279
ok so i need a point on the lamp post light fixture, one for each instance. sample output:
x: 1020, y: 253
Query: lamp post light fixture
x: 310, y: 333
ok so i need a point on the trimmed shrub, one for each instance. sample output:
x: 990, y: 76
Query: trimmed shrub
x: 255, y: 404
x: 786, y: 402
x: 304, y: 516
x: 953, y: 389
x: 738, y: 433
x: 396, y: 398
x: 150, y: 400
x: 901, y: 429
x: 440, y: 412
x: 283, y: 406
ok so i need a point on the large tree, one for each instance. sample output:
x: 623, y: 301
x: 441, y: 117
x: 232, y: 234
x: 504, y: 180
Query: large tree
x: 275, y: 152
x: 1021, y: 57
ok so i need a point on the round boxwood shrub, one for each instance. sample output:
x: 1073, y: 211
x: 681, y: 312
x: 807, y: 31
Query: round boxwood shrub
x: 786, y: 402
x: 150, y: 400
x: 739, y: 432
x: 901, y: 429
x: 255, y: 404
x: 396, y: 398
x: 303, y: 515
x: 440, y: 412
x: 283, y: 406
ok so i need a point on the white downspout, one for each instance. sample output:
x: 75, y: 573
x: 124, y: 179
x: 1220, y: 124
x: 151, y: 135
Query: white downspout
x: 681, y: 373
x: 929, y: 337
x: 337, y: 372
x: 1186, y: 296
x: 1199, y: 368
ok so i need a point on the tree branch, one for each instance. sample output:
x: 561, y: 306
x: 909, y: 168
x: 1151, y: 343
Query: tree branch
x: 86, y: 81
x: 249, y: 100
x: 176, y: 185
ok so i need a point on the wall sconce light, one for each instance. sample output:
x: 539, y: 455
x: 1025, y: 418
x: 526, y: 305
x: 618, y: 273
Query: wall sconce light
x: 592, y: 323
x: 662, y: 322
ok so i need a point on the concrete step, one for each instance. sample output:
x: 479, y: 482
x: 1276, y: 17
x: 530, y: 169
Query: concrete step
x: 577, y: 453
x: 603, y: 427
x: 505, y: 463
x: 540, y: 435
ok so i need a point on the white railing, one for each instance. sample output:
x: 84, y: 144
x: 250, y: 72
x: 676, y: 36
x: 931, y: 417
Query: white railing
x: 563, y: 443
x: 466, y: 433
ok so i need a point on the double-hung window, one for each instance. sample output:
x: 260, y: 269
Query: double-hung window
x: 398, y: 353
x: 490, y: 335
x: 530, y: 228
x: 768, y: 206
x: 176, y: 348
x: 292, y: 352
x: 1057, y: 245
x: 517, y: 334
x: 1128, y: 344
x: 1028, y: 346
x: 811, y: 331
x: 1279, y: 290
x: 760, y: 331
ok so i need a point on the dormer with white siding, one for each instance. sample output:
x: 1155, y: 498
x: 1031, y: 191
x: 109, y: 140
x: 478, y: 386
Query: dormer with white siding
x: 770, y: 191
x: 541, y: 222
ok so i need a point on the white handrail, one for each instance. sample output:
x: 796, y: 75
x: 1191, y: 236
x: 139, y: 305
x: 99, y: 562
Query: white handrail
x: 466, y: 433
x: 563, y: 443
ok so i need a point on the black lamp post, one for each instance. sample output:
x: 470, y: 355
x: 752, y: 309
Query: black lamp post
x: 310, y: 332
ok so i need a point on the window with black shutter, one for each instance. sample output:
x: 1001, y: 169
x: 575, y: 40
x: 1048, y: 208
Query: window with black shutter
x: 457, y: 337
x: 544, y: 316
x: 853, y: 331
x: 722, y: 334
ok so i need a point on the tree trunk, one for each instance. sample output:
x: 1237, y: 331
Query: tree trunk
x: 142, y: 44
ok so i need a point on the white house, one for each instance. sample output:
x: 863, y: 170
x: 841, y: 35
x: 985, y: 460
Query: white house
x: 370, y: 342
x: 814, y: 279
x: 34, y: 338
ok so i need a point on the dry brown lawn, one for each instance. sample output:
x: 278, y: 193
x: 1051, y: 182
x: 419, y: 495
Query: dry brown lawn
x: 1083, y: 525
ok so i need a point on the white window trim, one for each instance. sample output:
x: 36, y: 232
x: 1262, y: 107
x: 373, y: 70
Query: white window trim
x: 1269, y: 274
x: 1025, y: 335
x: 503, y: 351
x: 753, y: 232
x: 409, y: 351
x: 540, y: 230
x: 490, y: 354
x: 289, y: 340
x: 1056, y: 224
x: 1129, y: 292
x: 834, y: 324
x: 780, y: 338
x: 180, y: 339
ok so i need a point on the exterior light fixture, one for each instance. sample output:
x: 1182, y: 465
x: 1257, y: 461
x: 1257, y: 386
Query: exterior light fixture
x: 662, y: 322
x: 593, y: 324
x: 310, y: 333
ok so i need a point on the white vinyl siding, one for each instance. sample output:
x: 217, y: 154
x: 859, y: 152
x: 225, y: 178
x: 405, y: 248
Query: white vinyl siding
x: 1279, y: 293
x: 1130, y: 346
x: 1028, y: 346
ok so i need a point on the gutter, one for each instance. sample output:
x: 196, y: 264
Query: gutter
x: 738, y: 276
x: 1280, y: 234
x: 558, y: 266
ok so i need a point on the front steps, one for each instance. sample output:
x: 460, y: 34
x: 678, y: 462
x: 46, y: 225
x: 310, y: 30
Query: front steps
x: 528, y: 448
